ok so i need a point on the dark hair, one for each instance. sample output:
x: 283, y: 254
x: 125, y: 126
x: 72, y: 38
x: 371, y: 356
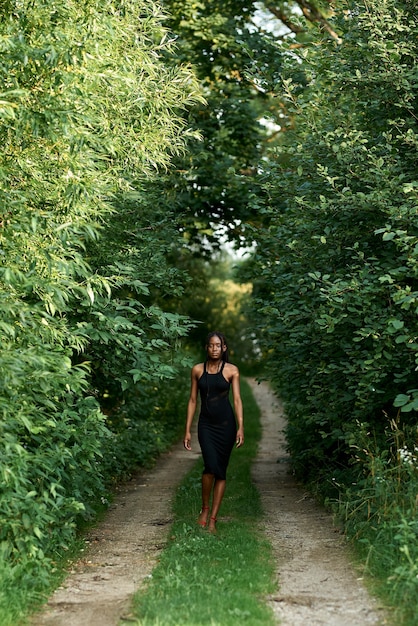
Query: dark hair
x: 221, y: 336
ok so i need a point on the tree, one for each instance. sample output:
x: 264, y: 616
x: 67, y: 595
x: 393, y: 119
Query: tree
x: 212, y: 185
x: 237, y: 60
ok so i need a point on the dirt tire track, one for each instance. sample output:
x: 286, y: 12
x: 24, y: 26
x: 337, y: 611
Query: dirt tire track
x: 122, y: 550
x: 318, y: 585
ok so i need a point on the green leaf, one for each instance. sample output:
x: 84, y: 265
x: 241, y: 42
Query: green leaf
x: 26, y: 521
x: 398, y: 324
x: 388, y: 236
x: 401, y: 400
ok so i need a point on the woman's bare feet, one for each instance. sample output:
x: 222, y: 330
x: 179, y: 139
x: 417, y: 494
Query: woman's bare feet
x: 212, y: 525
x: 203, y: 516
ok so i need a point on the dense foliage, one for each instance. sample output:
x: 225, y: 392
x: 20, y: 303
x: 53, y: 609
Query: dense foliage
x: 213, y: 182
x: 336, y: 270
x: 89, y: 111
x: 336, y: 266
x: 215, y: 188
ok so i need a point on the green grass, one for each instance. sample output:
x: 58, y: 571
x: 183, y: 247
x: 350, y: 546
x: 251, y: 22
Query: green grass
x: 216, y: 580
x: 380, y: 515
x: 24, y: 588
x: 383, y: 525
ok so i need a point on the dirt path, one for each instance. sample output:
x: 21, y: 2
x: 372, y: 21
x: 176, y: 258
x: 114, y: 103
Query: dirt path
x: 317, y: 584
x: 122, y: 550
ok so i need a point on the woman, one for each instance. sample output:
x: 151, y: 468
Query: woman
x: 218, y: 428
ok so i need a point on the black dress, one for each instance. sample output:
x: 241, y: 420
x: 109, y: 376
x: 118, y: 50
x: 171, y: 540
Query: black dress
x: 217, y: 426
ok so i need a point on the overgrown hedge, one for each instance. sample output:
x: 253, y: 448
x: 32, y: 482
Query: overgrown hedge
x: 89, y: 111
x: 336, y: 276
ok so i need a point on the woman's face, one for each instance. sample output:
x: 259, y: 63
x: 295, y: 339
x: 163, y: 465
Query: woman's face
x: 215, y: 347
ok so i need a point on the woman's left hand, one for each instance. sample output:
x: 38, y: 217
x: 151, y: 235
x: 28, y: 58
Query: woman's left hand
x: 240, y: 438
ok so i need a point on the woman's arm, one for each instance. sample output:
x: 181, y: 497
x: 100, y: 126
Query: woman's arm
x: 191, y: 407
x: 239, y: 411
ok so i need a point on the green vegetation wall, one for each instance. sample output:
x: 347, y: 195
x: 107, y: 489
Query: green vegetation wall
x: 335, y: 279
x: 89, y: 112
x: 336, y: 266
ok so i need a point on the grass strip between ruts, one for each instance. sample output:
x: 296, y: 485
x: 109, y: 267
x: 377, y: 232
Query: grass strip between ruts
x: 222, y: 579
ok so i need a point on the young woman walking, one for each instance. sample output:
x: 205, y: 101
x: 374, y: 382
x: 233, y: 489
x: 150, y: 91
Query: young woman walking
x: 219, y: 429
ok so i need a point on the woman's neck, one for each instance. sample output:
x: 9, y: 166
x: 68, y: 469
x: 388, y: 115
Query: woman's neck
x: 213, y: 365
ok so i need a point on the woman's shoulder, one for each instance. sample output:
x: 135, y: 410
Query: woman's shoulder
x: 197, y: 369
x: 230, y: 369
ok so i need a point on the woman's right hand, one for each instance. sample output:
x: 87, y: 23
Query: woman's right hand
x: 187, y: 440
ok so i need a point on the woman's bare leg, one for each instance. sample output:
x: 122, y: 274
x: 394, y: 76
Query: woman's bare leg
x: 218, y: 494
x: 207, y: 484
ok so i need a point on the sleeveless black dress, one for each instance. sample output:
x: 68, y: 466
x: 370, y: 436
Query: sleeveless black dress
x: 217, y: 426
